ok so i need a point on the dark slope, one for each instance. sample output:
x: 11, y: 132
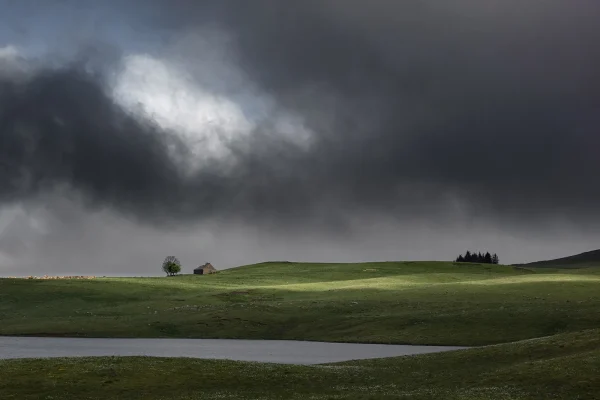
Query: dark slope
x: 583, y: 260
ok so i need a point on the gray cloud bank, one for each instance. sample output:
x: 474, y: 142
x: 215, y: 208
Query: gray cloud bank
x: 420, y: 111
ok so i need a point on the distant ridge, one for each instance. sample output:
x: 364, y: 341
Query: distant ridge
x: 583, y: 260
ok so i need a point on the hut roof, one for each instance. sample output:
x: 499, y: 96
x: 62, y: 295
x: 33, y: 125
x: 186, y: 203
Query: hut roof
x: 207, y: 265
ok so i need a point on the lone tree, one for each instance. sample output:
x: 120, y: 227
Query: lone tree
x: 171, y: 266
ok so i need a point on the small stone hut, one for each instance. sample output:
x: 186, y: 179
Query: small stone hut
x: 205, y: 269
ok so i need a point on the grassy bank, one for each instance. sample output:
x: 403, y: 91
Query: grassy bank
x: 410, y: 302
x: 560, y: 367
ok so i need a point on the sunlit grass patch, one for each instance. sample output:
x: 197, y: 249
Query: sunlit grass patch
x: 563, y: 278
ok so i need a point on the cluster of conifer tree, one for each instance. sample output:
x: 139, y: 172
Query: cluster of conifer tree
x: 486, y: 258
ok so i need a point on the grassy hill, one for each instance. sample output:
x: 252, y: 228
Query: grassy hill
x: 396, y: 302
x: 583, y: 260
x: 563, y: 366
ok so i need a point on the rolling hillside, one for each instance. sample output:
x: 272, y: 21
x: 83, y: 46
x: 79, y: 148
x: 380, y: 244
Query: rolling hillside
x: 394, y: 302
x: 555, y: 310
x: 583, y: 260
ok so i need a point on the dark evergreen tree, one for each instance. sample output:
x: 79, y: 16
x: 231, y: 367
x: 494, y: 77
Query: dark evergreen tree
x: 495, y: 259
x: 487, y: 258
x: 480, y: 258
x: 460, y: 259
x: 468, y: 257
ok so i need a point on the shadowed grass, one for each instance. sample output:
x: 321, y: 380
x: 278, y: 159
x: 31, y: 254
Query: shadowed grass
x: 559, y: 367
x: 402, y: 302
x: 589, y: 259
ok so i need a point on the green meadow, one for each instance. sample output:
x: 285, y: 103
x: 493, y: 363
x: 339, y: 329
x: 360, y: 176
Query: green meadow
x: 411, y: 302
x: 541, y: 325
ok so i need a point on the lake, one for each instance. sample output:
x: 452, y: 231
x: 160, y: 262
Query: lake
x: 271, y: 351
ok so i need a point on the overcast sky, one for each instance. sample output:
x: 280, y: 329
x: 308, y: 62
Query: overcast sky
x: 317, y: 130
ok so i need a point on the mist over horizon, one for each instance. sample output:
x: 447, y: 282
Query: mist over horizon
x: 328, y: 131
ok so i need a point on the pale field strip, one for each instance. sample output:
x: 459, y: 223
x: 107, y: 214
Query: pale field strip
x: 380, y: 283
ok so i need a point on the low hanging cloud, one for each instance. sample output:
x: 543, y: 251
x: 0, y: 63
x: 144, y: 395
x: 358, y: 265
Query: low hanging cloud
x: 316, y: 115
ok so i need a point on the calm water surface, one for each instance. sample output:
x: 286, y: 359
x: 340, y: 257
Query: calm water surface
x: 273, y: 351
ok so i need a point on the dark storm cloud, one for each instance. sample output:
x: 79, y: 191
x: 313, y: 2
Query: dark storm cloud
x: 414, y: 104
x: 494, y: 101
x: 60, y: 128
x: 61, y: 131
